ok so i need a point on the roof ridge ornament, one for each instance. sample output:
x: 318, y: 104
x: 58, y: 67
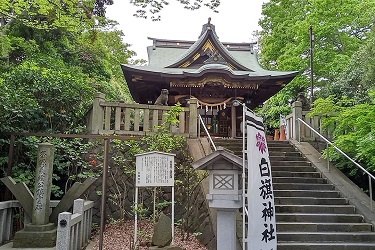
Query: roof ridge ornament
x: 208, y: 26
x: 215, y: 57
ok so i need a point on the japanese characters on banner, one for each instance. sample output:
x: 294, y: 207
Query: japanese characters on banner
x: 261, y: 205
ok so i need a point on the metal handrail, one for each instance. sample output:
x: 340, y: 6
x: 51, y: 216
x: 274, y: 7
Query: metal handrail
x: 208, y: 134
x: 340, y: 151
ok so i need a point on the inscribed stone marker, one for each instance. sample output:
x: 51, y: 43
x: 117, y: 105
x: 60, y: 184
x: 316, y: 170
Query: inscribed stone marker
x: 43, y: 184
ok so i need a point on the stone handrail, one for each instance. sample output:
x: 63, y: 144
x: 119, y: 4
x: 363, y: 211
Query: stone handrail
x: 6, y: 218
x: 74, y: 230
x: 296, y: 131
x: 137, y: 119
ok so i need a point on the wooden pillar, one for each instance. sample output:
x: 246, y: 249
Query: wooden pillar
x: 193, y: 118
x: 233, y: 122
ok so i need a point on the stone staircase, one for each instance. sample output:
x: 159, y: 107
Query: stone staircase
x: 310, y: 213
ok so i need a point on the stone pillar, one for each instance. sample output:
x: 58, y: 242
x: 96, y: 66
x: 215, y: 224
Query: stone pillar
x: 43, y: 183
x: 97, y: 114
x: 297, y: 113
x: 226, y: 229
x: 193, y: 118
x: 40, y: 233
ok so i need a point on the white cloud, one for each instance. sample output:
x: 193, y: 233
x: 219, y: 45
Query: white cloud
x: 235, y: 22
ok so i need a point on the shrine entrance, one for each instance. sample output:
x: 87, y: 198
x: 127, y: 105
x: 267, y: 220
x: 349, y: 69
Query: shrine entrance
x: 217, y: 122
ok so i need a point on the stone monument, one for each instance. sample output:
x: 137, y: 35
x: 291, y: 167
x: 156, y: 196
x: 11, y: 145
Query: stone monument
x: 40, y: 233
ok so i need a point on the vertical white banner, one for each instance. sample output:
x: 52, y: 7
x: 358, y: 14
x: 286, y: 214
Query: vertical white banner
x: 261, y: 205
x: 285, y: 124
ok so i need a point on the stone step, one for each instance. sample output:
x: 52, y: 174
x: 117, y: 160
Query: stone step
x: 287, y: 158
x: 302, y: 186
x: 282, y: 153
x: 298, y: 180
x: 316, y: 209
x: 291, y: 163
x: 309, y: 201
x: 327, y: 236
x: 272, y: 142
x: 223, y: 141
x: 308, y: 217
x: 285, y: 193
x: 325, y: 246
x: 295, y: 174
x: 310, y: 213
x: 282, y: 149
x: 293, y: 168
x: 322, y: 227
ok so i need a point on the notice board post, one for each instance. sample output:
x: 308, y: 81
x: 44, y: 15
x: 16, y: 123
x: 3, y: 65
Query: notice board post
x: 153, y: 169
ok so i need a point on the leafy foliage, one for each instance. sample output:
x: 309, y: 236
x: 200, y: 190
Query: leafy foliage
x: 50, y: 15
x: 54, y: 56
x: 154, y: 7
x: 272, y: 109
x: 71, y: 163
x: 356, y: 81
x: 352, y: 131
x: 340, y: 28
x: 186, y: 180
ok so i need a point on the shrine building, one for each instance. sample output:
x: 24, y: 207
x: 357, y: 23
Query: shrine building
x: 217, y: 74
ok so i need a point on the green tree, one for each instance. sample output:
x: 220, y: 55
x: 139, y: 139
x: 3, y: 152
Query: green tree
x: 352, y: 128
x: 356, y: 81
x: 72, y: 15
x: 54, y: 56
x: 153, y: 8
x: 339, y: 27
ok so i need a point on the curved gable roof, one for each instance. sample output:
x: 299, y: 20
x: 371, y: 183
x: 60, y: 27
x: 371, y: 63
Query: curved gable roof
x: 208, y: 46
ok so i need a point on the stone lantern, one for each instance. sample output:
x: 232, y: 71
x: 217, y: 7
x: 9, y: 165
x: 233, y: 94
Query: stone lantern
x: 224, y: 194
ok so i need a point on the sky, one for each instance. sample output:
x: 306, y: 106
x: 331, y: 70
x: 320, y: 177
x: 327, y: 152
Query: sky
x: 235, y: 22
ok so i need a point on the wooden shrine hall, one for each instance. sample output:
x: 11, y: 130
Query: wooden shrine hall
x: 215, y: 73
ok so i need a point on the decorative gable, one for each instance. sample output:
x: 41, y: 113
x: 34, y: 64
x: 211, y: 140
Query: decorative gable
x: 208, y: 50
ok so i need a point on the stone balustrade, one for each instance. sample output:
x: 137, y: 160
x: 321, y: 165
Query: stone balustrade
x: 294, y: 129
x: 137, y: 119
x: 7, y: 212
x: 74, y: 229
x: 75, y: 236
x: 6, y: 219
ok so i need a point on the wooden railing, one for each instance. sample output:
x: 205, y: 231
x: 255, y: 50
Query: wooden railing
x: 138, y: 119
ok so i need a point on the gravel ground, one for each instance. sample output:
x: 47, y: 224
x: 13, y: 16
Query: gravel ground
x: 119, y: 236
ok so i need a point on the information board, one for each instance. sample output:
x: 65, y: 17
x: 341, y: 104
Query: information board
x: 154, y: 169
